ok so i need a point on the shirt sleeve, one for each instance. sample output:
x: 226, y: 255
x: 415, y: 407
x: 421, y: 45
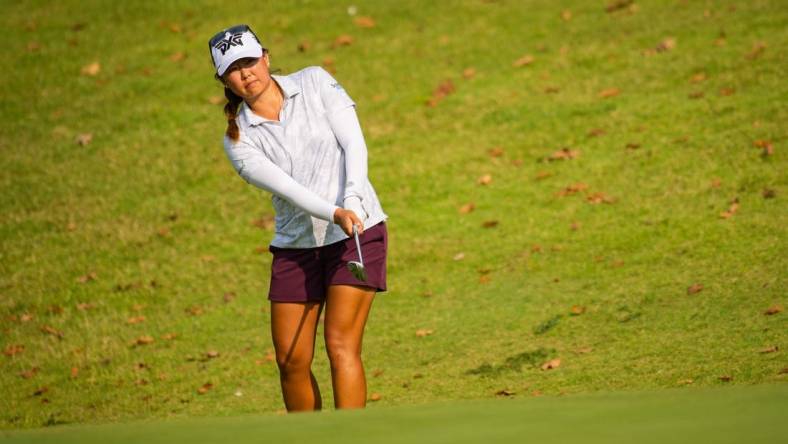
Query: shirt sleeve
x: 333, y: 95
x: 255, y: 168
x: 347, y: 130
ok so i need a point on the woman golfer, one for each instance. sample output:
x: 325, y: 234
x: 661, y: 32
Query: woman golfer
x: 298, y: 137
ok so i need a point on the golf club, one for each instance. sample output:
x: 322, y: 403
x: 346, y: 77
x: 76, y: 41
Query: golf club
x: 357, y: 268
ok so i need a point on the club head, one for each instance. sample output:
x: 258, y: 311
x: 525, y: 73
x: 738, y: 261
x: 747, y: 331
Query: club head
x: 357, y: 268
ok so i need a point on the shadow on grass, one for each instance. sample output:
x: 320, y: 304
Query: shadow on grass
x: 514, y: 363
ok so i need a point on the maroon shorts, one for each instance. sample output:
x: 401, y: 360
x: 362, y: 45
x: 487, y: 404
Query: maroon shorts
x: 304, y: 274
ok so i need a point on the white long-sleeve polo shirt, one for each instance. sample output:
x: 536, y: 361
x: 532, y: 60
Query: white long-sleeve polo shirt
x: 313, y: 159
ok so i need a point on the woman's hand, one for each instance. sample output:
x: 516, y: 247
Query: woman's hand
x: 346, y: 219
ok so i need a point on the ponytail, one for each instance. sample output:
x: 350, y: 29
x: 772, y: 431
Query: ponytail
x: 231, y: 112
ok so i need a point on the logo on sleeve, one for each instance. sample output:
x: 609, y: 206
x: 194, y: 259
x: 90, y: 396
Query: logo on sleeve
x: 229, y: 41
x: 337, y: 86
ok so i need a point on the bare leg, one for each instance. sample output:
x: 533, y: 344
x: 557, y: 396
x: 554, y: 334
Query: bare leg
x: 293, y: 329
x: 347, y: 308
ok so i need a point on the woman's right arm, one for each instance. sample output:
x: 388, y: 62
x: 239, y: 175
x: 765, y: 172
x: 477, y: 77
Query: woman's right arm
x: 257, y: 169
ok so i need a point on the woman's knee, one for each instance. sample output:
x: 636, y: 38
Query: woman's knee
x: 342, y: 348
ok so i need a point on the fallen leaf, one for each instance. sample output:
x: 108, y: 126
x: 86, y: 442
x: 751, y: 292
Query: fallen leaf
x: 685, y: 382
x: 566, y: 15
x: 583, y: 350
x: 211, y: 354
x: 727, y: 91
x: 766, y: 147
x: 364, y: 22
x: 40, y: 391
x: 91, y: 69
x: 716, y: 182
x: 303, y: 46
x: 577, y: 310
x: 459, y: 256
x: 423, y: 332
x: 135, y: 319
x: 144, y: 340
x: 564, y: 153
x: 377, y: 372
x: 205, y: 387
x: 27, y: 374
x: 698, y: 77
x: 553, y: 363
x: 543, y: 175
x: 169, y: 336
x: 572, y: 189
x: 266, y: 222
x: 495, y: 152
x: 726, y: 378
x: 195, y: 310
x: 732, y: 209
x: 756, y: 51
x: 74, y: 372
x: 774, y: 309
x: 595, y: 132
x: 768, y: 193
x: 84, y: 139
x: 442, y: 90
x: 217, y: 100
x: 599, y: 197
x: 771, y: 349
x: 523, y: 61
x: 228, y: 297
x: 551, y: 89
x: 618, y: 4
x: 468, y: 73
x: 609, y: 92
x: 505, y: 392
x: 694, y: 288
x: 467, y: 208
x: 484, y: 279
x: 343, y: 40
x: 375, y: 397
x: 632, y: 146
x: 177, y: 56
x: 484, y: 180
x: 696, y: 95
x: 666, y: 45
x: 489, y: 223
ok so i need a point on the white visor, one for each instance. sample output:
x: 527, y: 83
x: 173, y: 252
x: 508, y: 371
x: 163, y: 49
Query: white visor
x: 232, y: 47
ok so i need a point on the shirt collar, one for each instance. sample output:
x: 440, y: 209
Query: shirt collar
x: 289, y: 87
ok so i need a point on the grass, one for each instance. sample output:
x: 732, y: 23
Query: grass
x: 152, y: 207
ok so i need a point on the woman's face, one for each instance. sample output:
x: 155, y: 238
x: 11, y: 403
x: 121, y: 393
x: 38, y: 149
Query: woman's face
x: 248, y: 77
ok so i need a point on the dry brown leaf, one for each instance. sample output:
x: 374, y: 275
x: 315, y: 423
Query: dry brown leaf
x: 774, y: 309
x: 266, y: 222
x: 694, y: 288
x: 423, y: 332
x: 618, y: 4
x: 484, y: 180
x: 584, y: 350
x: 211, y: 354
x: 343, y: 40
x: 490, y: 223
x: 328, y: 64
x: 726, y: 378
x: 169, y: 336
x: 766, y: 147
x: 442, y: 90
x: 375, y: 397
x: 364, y: 22
x: 551, y: 364
x: 685, y: 382
x: 91, y: 69
x: 84, y: 139
x: 144, y: 340
x: 74, y: 372
x: 756, y: 51
x: 468, y: 73
x: 523, y: 61
x: 732, y: 209
x: 484, y: 279
x: 632, y: 146
x: 467, y: 208
x: 91, y: 276
x: 698, y: 77
x: 696, y: 95
x: 564, y: 153
x: 666, y: 44
x: 727, y: 91
x: 303, y: 46
x: 135, y: 319
x: 505, y: 392
x: 52, y: 331
x: 577, y: 310
x: 228, y: 297
x: 566, y: 15
x: 27, y: 374
x: 572, y: 189
x: 771, y: 349
x: 194, y: 310
x: 177, y: 56
x: 205, y: 387
x: 768, y: 193
x: 543, y: 175
x: 596, y: 132
x: 495, y: 151
x: 609, y: 92
x: 459, y: 256
x: 716, y: 182
x: 599, y: 197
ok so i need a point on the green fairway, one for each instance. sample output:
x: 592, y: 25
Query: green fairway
x: 720, y: 415
x: 585, y: 198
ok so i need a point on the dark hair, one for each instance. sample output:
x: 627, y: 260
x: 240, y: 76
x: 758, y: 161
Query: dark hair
x: 231, y: 107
